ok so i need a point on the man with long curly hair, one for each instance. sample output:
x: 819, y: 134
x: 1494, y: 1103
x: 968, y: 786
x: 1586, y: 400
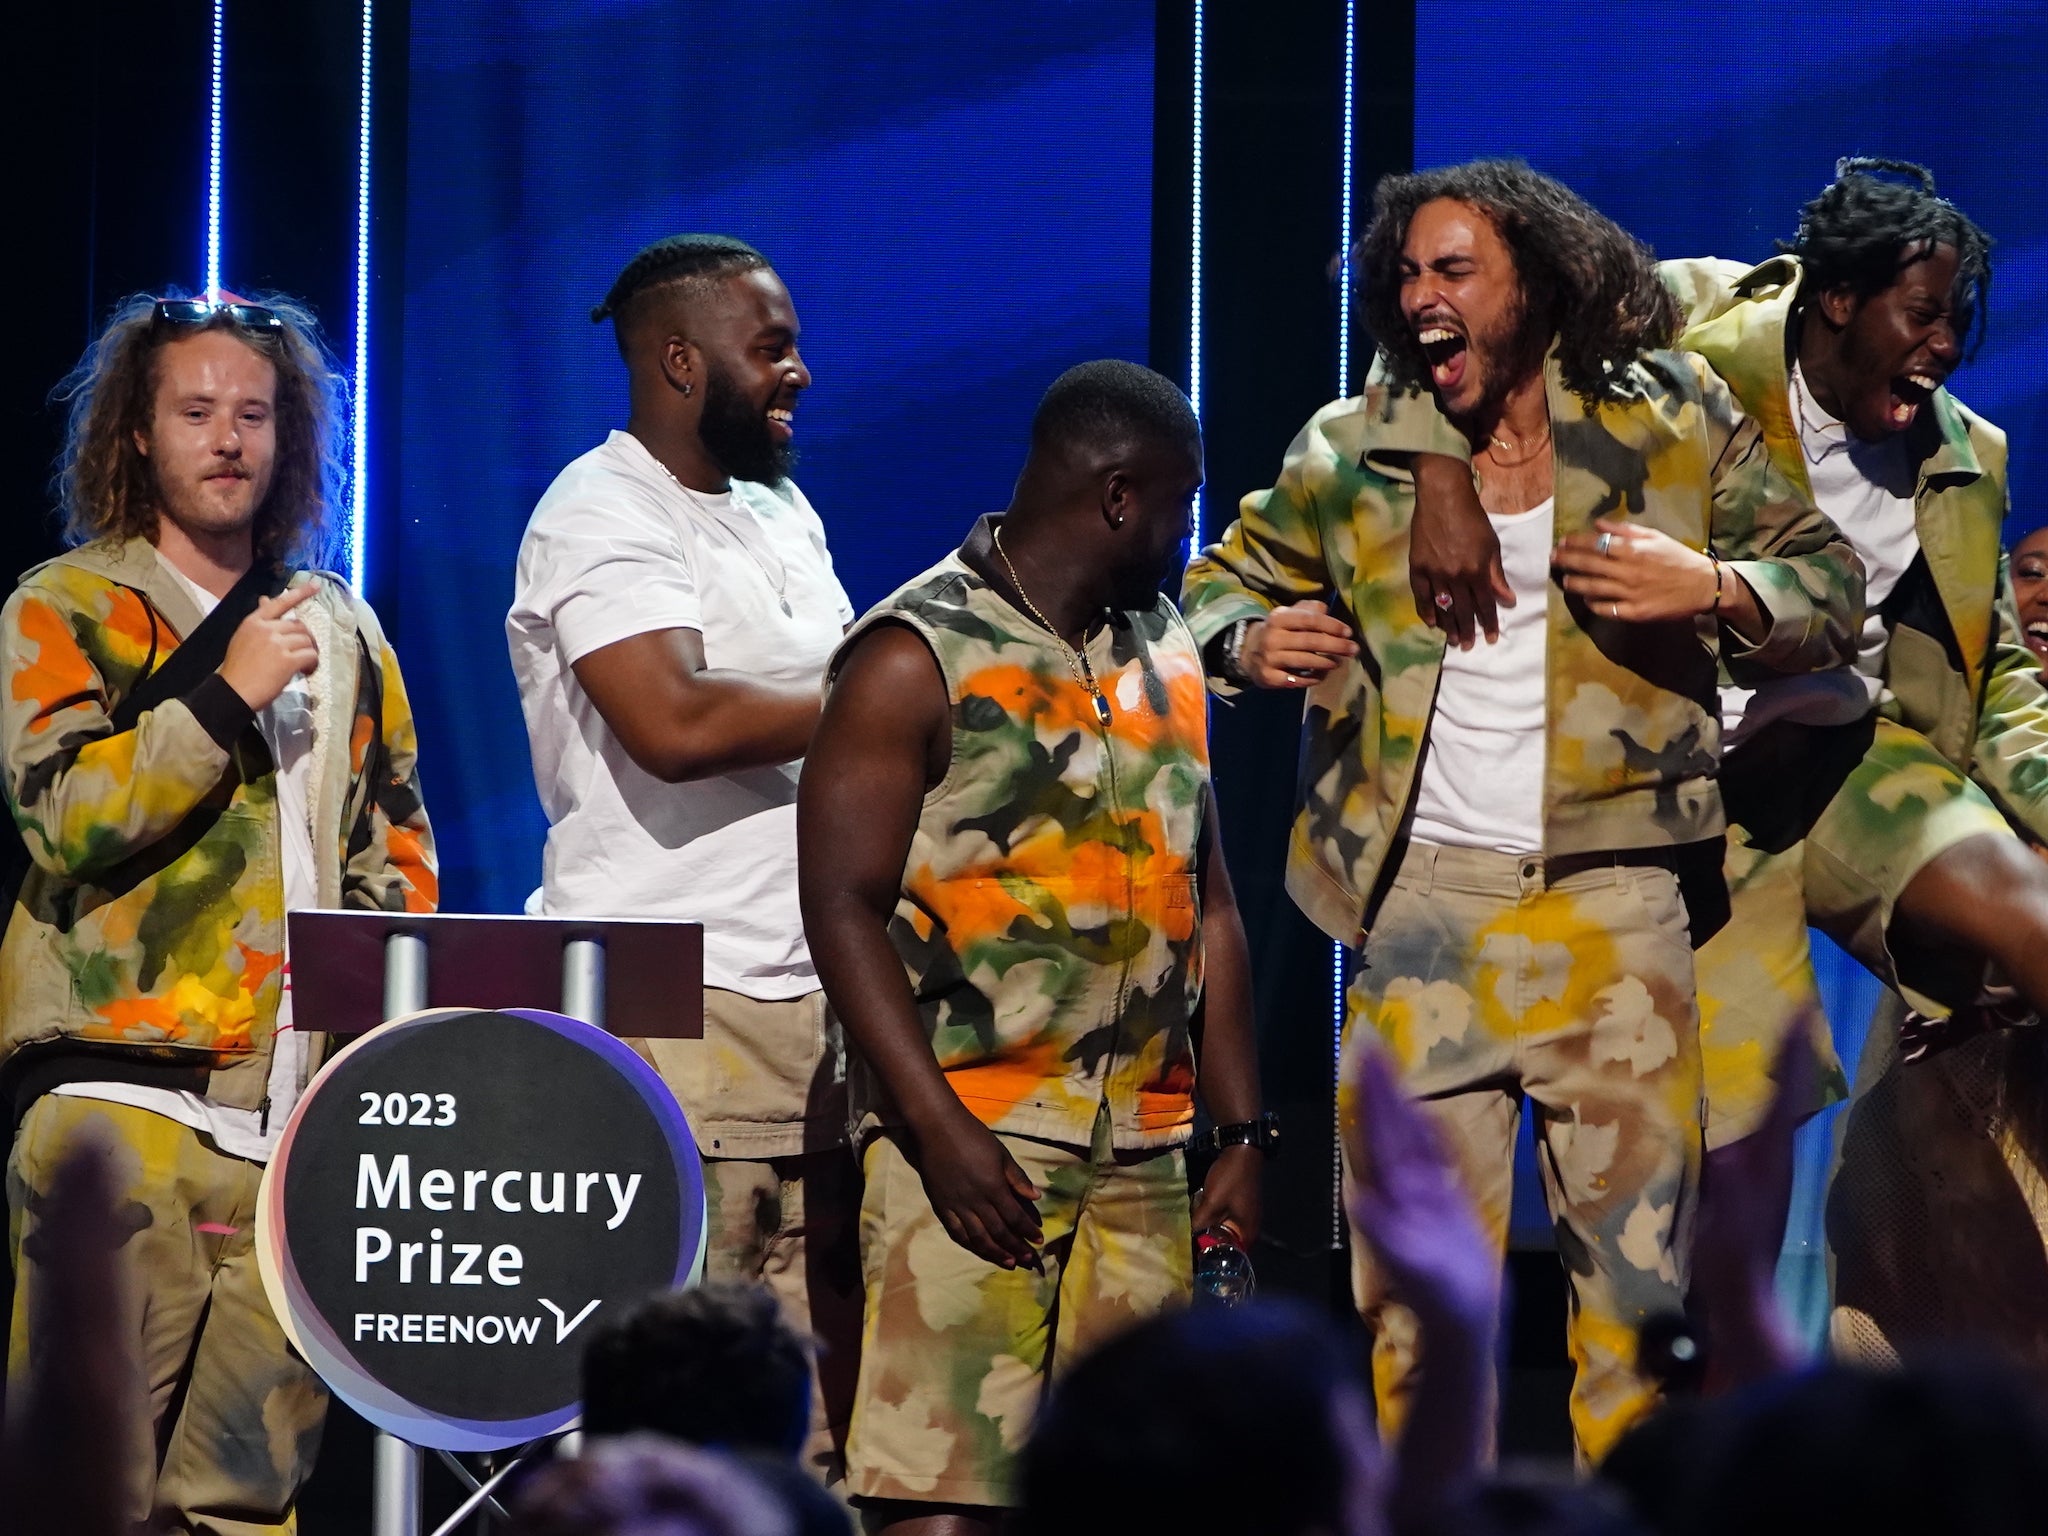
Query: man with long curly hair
x: 199, y: 732
x: 1503, y: 827
x: 1887, y: 802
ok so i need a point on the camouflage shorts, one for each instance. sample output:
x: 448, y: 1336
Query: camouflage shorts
x: 955, y: 1351
x: 1895, y: 807
x: 1491, y: 979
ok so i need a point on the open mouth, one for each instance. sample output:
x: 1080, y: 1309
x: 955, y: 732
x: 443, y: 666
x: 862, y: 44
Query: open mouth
x: 1909, y: 391
x: 1446, y: 352
x: 782, y: 423
x: 2037, y: 636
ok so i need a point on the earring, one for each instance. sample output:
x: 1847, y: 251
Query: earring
x: 1117, y: 521
x: 686, y: 390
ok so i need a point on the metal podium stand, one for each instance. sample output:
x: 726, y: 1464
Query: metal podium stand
x: 632, y: 977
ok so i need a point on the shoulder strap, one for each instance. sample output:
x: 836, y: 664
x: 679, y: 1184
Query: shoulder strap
x: 201, y: 651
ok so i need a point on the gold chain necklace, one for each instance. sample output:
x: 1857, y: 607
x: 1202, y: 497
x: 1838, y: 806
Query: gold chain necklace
x: 1077, y: 661
x: 1528, y: 458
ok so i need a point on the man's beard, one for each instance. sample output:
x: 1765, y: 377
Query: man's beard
x: 735, y: 432
x: 1505, y: 354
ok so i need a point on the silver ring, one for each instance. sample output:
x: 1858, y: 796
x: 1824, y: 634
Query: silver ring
x: 1444, y: 600
x: 1614, y: 610
x: 1606, y: 543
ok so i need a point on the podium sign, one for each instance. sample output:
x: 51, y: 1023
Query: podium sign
x: 460, y: 1197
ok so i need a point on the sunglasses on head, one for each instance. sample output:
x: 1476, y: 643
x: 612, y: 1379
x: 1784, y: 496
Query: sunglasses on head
x: 198, y: 311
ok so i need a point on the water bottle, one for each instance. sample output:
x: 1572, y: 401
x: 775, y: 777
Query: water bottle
x: 1223, y: 1270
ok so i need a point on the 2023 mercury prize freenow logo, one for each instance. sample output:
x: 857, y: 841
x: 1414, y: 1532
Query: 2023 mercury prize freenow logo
x: 457, y: 1200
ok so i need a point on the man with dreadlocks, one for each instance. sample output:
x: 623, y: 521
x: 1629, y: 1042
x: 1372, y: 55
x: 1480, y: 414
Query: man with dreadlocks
x: 675, y: 609
x: 1878, y: 801
x: 1503, y: 828
x: 198, y: 734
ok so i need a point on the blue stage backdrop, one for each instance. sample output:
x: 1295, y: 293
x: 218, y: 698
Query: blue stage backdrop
x: 1703, y: 131
x: 959, y: 198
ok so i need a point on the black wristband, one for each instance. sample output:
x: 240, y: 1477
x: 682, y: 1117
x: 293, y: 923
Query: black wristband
x: 221, y: 712
x: 1262, y: 1133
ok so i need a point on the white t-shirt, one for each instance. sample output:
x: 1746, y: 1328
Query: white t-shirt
x: 617, y: 548
x: 1866, y: 489
x: 287, y: 724
x: 1482, y: 776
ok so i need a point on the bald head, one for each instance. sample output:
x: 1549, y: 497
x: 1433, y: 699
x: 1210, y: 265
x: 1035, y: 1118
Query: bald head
x: 1096, y: 412
x: 1115, y: 464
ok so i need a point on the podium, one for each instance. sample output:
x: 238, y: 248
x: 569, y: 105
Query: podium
x: 355, y: 971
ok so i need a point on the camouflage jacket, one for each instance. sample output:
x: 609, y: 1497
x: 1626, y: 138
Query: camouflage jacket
x: 1049, y: 918
x: 1634, y: 730
x: 1957, y: 672
x: 150, y: 927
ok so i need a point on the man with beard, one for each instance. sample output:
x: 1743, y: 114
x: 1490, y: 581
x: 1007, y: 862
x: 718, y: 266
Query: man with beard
x: 202, y: 732
x: 1014, y: 885
x: 675, y: 609
x: 1504, y: 828
x: 1877, y: 802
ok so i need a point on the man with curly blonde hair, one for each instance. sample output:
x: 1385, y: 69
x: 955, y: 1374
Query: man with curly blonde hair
x: 198, y: 734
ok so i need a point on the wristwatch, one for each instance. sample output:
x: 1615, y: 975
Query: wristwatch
x: 1262, y: 1133
x: 1233, y: 650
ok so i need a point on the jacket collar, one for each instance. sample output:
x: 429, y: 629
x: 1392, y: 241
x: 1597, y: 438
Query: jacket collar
x: 134, y: 563
x: 1748, y: 345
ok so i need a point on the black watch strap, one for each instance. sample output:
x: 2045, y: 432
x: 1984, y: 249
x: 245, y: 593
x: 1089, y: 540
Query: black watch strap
x: 1262, y: 1133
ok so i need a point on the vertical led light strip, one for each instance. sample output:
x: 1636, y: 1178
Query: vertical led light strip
x: 1195, y: 265
x: 1343, y: 390
x: 213, y: 156
x: 359, y: 395
x: 1344, y: 208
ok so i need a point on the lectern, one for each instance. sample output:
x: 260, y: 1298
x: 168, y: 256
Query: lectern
x: 354, y: 973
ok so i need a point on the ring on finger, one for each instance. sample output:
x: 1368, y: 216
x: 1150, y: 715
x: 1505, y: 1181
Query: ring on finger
x: 1443, y: 601
x: 1614, y: 610
x: 1606, y: 543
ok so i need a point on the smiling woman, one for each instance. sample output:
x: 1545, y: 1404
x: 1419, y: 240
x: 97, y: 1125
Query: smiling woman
x: 2030, y: 589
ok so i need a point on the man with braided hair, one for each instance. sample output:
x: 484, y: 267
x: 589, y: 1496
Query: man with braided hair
x: 1876, y: 802
x: 675, y: 608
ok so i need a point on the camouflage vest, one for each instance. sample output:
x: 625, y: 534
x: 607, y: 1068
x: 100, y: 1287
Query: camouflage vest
x: 1049, y: 915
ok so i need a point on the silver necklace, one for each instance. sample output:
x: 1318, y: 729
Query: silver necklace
x: 778, y: 578
x: 1077, y: 661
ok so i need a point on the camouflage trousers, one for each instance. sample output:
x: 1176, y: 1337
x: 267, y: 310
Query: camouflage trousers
x: 956, y: 1351
x: 788, y: 1223
x: 1838, y: 823
x: 234, y: 1414
x: 1496, y: 977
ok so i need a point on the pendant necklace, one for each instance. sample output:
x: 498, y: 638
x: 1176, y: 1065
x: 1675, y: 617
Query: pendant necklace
x: 779, y: 579
x: 1077, y: 661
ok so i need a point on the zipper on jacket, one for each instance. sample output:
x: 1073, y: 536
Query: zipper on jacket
x: 1123, y: 977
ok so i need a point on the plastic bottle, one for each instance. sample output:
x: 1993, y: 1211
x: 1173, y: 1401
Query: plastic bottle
x: 1223, y: 1270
